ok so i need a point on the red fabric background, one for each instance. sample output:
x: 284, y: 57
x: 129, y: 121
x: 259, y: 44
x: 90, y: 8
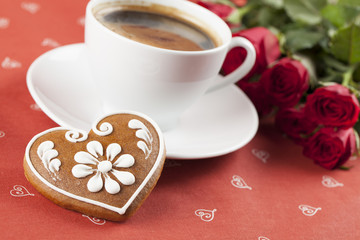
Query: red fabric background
x: 280, y: 181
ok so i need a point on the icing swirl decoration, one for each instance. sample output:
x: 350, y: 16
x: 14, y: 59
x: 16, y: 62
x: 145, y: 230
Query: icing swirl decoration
x: 76, y: 136
x: 104, y: 129
x: 48, y: 154
x: 143, y: 133
x: 103, y: 166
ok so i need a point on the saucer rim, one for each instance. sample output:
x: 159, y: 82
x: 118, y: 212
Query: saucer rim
x: 31, y: 86
x: 227, y: 150
x: 176, y: 156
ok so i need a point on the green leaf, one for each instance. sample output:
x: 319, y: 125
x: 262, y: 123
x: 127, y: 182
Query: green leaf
x: 225, y: 2
x: 357, y: 138
x: 270, y: 17
x: 339, y: 15
x: 305, y: 11
x: 335, y: 64
x: 237, y: 15
x: 347, y: 77
x: 351, y: 3
x: 302, y: 39
x: 345, y: 168
x: 345, y: 45
x: 277, y: 4
x: 356, y: 74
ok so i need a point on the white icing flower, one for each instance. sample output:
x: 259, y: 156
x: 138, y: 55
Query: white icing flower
x: 104, y: 166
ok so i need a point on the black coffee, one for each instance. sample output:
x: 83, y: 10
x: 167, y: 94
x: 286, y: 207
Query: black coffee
x: 153, y: 28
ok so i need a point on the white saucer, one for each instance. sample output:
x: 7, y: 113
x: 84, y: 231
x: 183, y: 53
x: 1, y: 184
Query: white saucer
x: 219, y: 123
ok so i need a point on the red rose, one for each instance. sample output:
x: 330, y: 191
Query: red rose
x: 255, y: 92
x: 286, y: 82
x: 295, y: 124
x: 222, y: 10
x: 329, y: 148
x: 266, y: 46
x: 333, y: 106
x: 239, y: 3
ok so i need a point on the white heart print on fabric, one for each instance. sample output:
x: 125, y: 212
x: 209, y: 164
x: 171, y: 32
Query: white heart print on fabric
x: 261, y: 154
x: 205, y: 215
x: 172, y: 163
x: 35, y: 107
x: 9, y: 63
x: 81, y: 21
x: 4, y: 23
x: 309, y: 210
x: 95, y: 220
x: 263, y: 238
x: 330, y: 182
x: 30, y: 7
x: 238, y: 182
x: 48, y: 42
x: 20, y: 191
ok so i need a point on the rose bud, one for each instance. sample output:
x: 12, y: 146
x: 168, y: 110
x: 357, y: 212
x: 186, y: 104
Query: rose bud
x: 329, y: 148
x: 333, y: 106
x: 285, y: 82
x: 294, y: 123
x: 266, y: 46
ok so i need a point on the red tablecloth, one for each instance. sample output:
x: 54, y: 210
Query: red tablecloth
x: 265, y: 190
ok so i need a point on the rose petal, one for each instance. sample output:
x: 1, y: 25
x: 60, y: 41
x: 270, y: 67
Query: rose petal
x: 112, y: 150
x: 125, y: 178
x: 95, y: 183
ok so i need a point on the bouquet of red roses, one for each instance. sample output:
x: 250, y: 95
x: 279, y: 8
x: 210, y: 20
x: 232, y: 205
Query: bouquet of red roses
x: 307, y: 71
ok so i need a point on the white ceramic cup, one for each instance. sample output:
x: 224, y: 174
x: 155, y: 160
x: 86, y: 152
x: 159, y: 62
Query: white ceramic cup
x: 161, y: 83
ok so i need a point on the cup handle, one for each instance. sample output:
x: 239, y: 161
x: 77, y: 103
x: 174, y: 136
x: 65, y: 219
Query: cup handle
x: 242, y: 70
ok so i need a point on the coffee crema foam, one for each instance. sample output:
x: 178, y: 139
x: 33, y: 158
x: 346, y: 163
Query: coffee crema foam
x: 151, y: 26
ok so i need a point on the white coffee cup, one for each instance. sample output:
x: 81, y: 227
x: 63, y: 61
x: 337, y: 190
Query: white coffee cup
x: 161, y: 83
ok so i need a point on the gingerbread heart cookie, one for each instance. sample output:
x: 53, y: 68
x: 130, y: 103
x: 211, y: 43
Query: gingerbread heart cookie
x: 106, y: 173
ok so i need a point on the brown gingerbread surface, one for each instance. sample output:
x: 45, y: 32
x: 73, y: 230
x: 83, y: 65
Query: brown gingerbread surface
x: 141, y: 142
